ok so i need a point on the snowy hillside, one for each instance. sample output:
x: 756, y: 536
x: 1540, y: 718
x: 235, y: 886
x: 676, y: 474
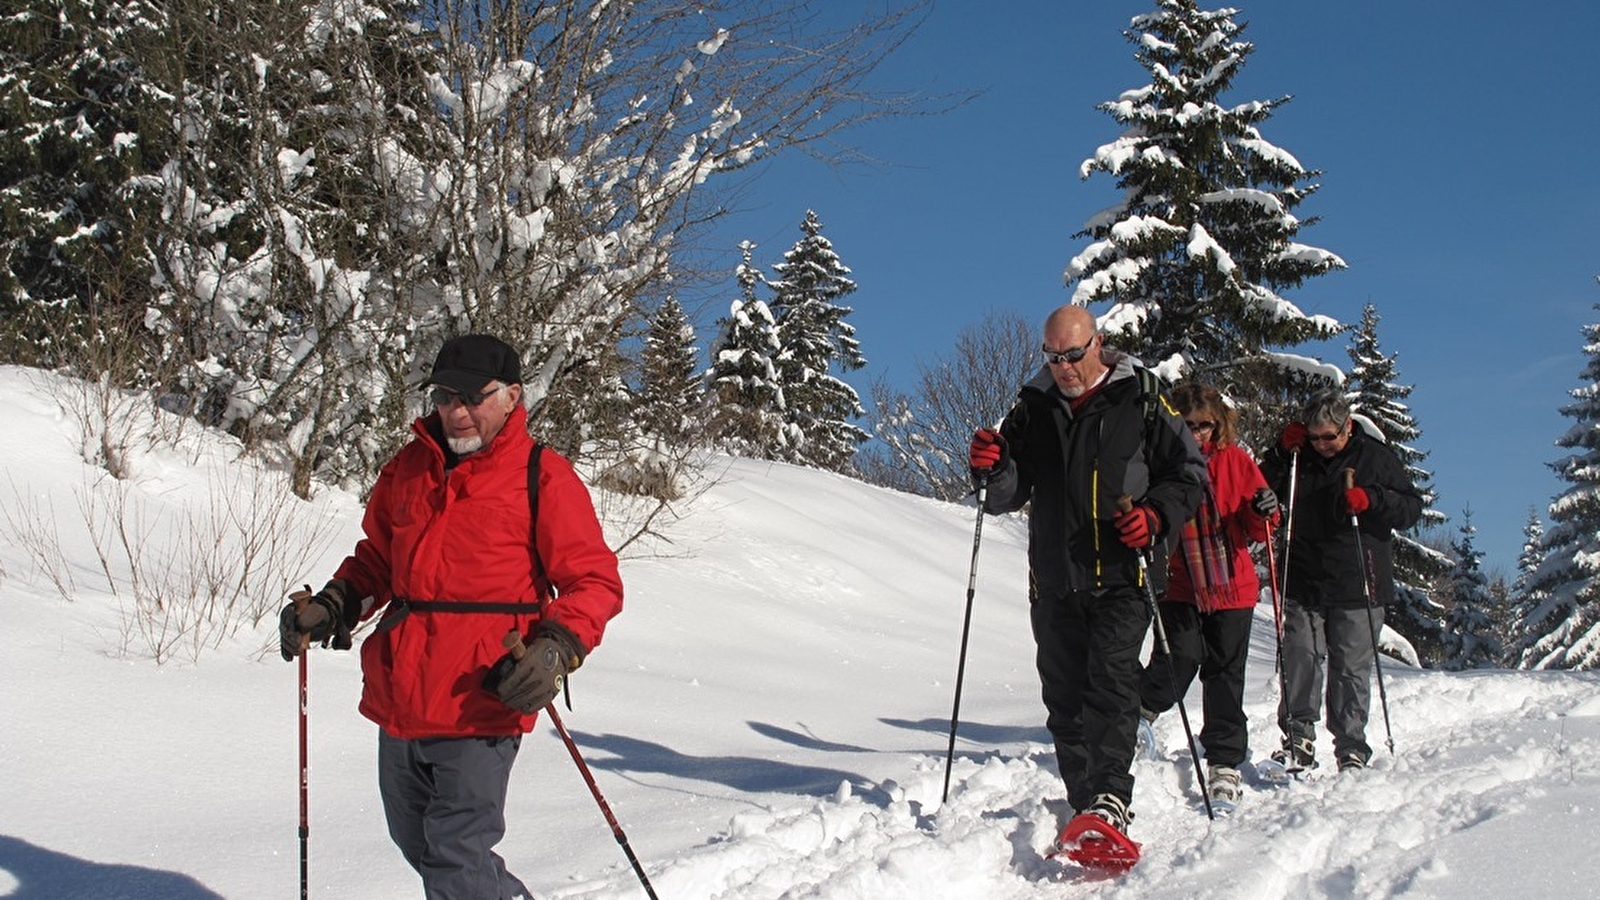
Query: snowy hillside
x: 767, y: 719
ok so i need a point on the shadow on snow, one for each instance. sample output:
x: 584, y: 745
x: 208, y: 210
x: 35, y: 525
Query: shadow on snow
x: 47, y: 875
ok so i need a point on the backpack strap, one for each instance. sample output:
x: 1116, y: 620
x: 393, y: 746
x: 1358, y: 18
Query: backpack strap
x: 1150, y: 388
x: 534, y: 456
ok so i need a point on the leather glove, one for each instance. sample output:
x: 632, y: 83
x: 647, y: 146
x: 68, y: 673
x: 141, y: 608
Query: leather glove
x: 318, y: 617
x: 1356, y: 500
x: 988, y: 451
x: 1264, y: 502
x: 530, y: 681
x: 1138, y: 526
x: 1293, y: 436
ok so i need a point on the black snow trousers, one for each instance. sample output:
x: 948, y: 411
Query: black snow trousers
x: 1088, y: 645
x: 1216, y: 645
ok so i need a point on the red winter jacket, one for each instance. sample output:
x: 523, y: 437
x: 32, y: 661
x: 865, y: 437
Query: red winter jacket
x: 1234, y: 480
x: 466, y: 538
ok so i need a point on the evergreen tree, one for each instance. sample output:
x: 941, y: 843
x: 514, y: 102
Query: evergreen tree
x: 1375, y: 393
x: 1469, y: 640
x: 78, y: 176
x: 814, y: 339
x: 1522, y: 599
x: 671, y: 397
x: 1194, y: 256
x: 748, y: 397
x: 1562, y: 627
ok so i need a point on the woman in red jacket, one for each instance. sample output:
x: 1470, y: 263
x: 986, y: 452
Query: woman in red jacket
x: 1212, y: 591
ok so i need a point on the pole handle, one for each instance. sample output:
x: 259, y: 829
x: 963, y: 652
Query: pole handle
x: 1124, y: 503
x: 300, y: 598
x: 513, y: 643
x: 1349, y: 479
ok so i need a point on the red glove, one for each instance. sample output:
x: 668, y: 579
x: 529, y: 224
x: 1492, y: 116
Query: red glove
x: 988, y: 450
x: 1137, y: 527
x: 1356, y: 500
x: 1293, y: 436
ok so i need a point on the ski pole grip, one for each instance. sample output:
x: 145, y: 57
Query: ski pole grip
x: 1124, y: 503
x: 513, y: 643
x: 300, y: 598
x: 1349, y: 479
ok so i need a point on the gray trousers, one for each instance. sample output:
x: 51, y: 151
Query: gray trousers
x: 1341, y: 639
x: 445, y: 800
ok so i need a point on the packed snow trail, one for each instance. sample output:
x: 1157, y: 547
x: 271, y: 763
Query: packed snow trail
x: 1476, y: 762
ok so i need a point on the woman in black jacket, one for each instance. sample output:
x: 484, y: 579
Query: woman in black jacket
x: 1341, y: 476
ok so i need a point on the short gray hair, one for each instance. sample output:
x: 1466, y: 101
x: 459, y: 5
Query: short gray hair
x: 1327, y: 406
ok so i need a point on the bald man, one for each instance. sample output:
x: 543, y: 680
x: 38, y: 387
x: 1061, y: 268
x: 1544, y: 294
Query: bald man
x: 1083, y: 434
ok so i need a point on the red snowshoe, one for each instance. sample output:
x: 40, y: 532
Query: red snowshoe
x: 1095, y: 844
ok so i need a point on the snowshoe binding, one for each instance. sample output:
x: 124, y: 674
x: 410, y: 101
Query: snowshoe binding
x: 1289, y: 764
x: 1224, y: 789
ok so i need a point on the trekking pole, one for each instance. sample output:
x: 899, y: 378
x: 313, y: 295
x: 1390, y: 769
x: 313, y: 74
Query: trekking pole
x: 300, y: 598
x: 1366, y: 587
x: 1124, y: 504
x: 1288, y: 542
x: 513, y: 643
x: 966, y: 628
x: 1277, y: 613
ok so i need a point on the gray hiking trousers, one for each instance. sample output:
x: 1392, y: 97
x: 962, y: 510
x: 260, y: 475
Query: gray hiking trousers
x: 445, y: 800
x: 1341, y: 640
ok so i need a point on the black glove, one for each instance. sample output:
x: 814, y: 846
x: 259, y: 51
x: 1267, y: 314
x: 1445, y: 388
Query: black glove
x: 529, y: 681
x: 316, y: 617
x: 1265, y: 502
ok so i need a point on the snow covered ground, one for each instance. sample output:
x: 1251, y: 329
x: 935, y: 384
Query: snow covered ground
x: 767, y: 719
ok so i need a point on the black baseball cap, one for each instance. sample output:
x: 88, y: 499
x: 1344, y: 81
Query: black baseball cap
x: 466, y: 363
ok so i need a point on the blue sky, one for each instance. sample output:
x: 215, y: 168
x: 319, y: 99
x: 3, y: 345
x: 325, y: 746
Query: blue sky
x: 1459, y: 183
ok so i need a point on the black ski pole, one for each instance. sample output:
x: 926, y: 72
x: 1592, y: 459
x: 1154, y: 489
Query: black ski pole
x: 966, y: 629
x: 513, y: 643
x: 1366, y: 587
x: 1124, y: 504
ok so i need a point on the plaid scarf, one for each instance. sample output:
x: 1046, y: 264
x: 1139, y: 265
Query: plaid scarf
x: 1207, y: 555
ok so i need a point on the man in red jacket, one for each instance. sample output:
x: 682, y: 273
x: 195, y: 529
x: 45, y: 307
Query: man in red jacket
x: 452, y: 560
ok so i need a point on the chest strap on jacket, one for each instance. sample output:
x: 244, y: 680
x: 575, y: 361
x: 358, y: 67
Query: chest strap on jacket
x: 400, y: 607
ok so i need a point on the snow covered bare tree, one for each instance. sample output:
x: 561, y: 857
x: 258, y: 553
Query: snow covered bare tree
x: 336, y: 188
x: 814, y: 340
x: 1194, y: 258
x: 1375, y: 393
x: 923, y: 435
x: 1561, y: 629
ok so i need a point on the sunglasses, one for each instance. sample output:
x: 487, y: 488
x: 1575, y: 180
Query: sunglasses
x: 1326, y: 438
x: 1200, y: 426
x: 1069, y: 355
x: 443, y: 397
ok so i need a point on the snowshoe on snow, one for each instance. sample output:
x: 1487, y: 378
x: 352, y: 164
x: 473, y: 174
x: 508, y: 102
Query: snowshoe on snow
x: 1097, y: 839
x: 1297, y: 757
x: 1352, y: 760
